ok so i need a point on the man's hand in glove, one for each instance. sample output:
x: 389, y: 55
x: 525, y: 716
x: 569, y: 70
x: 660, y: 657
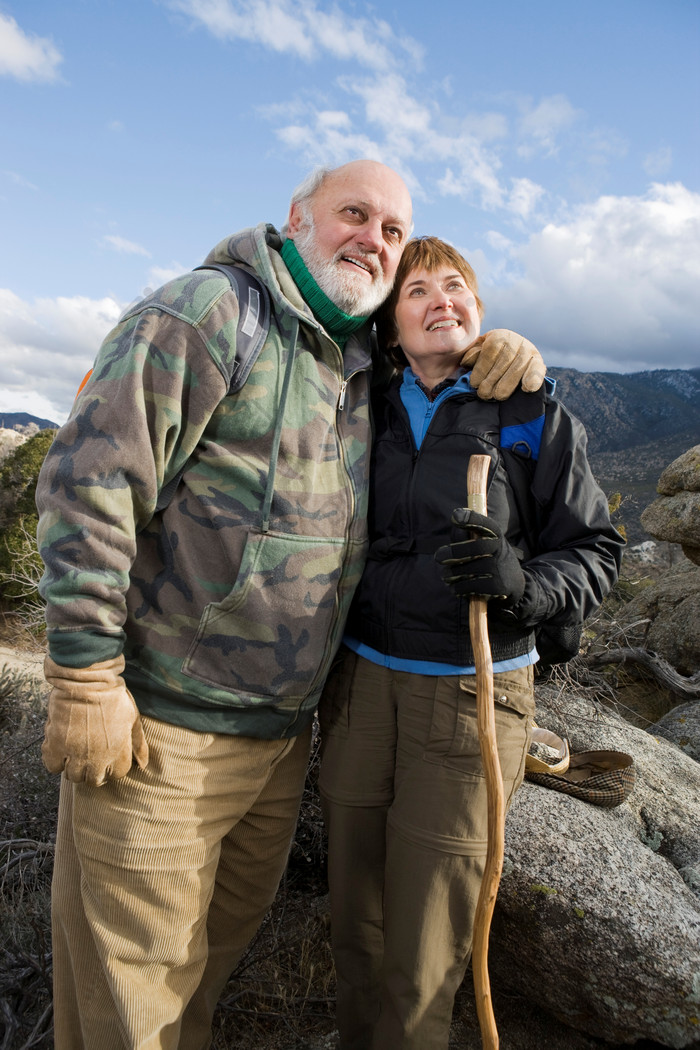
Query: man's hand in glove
x: 485, y: 566
x: 501, y: 360
x: 93, y: 730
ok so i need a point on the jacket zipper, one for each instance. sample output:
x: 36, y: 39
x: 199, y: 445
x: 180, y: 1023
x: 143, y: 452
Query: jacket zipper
x: 323, y: 669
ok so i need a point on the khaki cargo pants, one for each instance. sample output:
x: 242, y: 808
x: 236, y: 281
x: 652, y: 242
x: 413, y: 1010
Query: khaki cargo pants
x: 404, y: 800
x: 160, y: 881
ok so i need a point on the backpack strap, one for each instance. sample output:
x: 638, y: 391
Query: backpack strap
x: 251, y: 332
x: 253, y: 319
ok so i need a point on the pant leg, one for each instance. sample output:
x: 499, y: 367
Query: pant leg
x: 356, y: 787
x: 436, y: 846
x: 356, y: 857
x: 136, y: 868
x: 251, y: 864
x: 78, y: 977
x: 429, y: 916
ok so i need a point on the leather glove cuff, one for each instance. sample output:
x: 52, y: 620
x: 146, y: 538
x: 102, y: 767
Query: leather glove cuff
x: 93, y: 729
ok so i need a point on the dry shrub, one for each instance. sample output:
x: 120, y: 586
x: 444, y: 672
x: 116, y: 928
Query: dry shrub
x: 281, y: 994
x: 28, y: 799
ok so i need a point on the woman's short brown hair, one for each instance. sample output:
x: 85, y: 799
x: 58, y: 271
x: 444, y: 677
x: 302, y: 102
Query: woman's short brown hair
x: 420, y: 253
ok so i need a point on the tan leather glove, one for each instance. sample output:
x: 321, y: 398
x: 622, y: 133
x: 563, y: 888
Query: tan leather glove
x: 93, y: 730
x: 501, y: 360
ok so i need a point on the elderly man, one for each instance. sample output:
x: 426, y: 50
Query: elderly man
x: 202, y: 538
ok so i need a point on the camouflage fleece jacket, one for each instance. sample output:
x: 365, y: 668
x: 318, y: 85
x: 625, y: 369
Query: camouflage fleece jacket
x: 228, y: 610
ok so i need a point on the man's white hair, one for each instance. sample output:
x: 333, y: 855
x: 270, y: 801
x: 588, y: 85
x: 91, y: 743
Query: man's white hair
x: 305, y: 191
x: 308, y: 186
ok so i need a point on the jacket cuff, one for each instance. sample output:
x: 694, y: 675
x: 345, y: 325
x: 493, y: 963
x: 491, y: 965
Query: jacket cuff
x: 532, y: 608
x: 84, y: 648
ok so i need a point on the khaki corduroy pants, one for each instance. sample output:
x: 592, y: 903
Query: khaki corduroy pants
x: 161, y: 879
x: 404, y: 800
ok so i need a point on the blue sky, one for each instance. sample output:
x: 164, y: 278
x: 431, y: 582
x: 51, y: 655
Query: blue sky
x: 555, y: 143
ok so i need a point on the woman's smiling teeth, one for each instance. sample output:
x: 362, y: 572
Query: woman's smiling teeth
x: 452, y: 322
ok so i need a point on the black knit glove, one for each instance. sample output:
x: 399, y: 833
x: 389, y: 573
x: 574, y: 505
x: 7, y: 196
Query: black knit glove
x: 485, y: 566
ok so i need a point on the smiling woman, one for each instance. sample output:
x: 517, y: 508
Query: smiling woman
x: 401, y: 779
x: 433, y: 313
x: 436, y: 320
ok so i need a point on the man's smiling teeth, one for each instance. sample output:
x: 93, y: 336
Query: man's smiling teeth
x: 357, y: 262
x: 452, y: 323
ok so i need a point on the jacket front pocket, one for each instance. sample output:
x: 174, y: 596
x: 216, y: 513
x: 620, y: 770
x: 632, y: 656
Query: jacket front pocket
x: 267, y: 639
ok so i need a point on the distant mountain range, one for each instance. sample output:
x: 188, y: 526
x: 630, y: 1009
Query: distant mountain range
x: 14, y: 420
x: 637, y: 424
x: 622, y: 411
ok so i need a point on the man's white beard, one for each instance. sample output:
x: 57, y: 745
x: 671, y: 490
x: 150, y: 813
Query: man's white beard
x: 350, y: 291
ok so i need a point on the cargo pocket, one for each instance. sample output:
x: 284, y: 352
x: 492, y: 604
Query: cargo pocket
x: 514, y: 711
x: 454, y: 733
x: 266, y: 640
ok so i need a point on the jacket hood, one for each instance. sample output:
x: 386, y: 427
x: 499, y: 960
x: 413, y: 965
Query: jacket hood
x: 258, y: 249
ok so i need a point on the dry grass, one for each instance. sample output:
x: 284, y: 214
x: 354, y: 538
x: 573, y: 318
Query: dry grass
x: 281, y: 995
x: 28, y: 798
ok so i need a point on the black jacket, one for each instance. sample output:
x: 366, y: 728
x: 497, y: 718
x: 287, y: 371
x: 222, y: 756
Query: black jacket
x: 553, y: 512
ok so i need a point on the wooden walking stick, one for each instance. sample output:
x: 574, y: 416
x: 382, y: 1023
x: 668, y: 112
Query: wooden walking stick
x: 477, y: 477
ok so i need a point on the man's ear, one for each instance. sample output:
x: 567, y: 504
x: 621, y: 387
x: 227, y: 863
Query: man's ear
x: 295, y: 220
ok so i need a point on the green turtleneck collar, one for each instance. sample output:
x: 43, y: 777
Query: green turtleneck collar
x: 338, y: 324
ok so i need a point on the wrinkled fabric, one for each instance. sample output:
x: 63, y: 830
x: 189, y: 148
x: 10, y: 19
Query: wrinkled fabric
x: 225, y: 626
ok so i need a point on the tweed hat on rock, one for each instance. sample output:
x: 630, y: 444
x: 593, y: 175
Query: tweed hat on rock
x: 604, y: 778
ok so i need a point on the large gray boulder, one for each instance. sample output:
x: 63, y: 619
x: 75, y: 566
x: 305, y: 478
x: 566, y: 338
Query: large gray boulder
x: 664, y: 617
x: 598, y: 913
x: 675, y: 515
x: 682, y: 727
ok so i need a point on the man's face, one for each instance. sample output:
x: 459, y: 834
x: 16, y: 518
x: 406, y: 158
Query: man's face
x: 352, y: 232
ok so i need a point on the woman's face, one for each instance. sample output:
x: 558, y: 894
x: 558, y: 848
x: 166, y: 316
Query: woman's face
x: 436, y: 318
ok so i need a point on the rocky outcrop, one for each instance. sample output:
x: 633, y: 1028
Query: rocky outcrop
x: 598, y: 914
x: 665, y: 618
x: 9, y: 441
x: 682, y: 727
x: 675, y: 516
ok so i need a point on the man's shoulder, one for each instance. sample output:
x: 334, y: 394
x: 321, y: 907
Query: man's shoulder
x: 189, y: 296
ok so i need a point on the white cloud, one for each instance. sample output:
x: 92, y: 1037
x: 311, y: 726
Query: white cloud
x: 120, y: 244
x: 523, y: 197
x: 614, y: 287
x: 34, y: 404
x: 25, y: 56
x: 540, y: 125
x: 658, y: 163
x: 47, y: 346
x: 303, y: 28
x: 404, y: 133
x: 445, y: 152
x: 327, y: 143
